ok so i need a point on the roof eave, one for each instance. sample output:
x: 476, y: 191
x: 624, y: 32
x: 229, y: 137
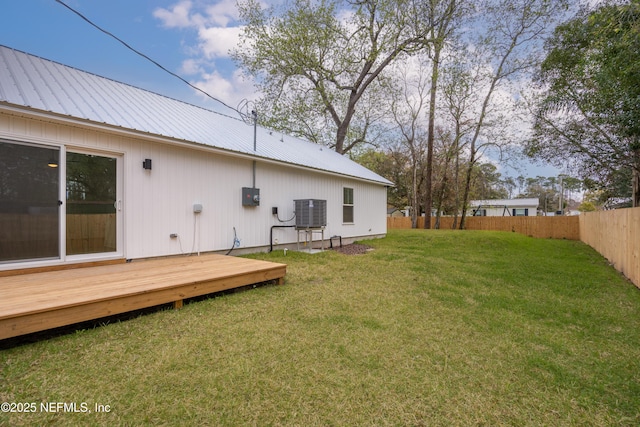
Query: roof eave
x: 50, y: 116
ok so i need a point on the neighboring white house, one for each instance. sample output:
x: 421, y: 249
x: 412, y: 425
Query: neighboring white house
x: 93, y: 169
x: 504, y: 207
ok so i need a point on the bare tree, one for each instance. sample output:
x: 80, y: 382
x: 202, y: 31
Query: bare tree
x: 444, y: 15
x: 409, y: 95
x: 446, y: 151
x: 316, y: 60
x: 509, y: 47
x: 458, y: 98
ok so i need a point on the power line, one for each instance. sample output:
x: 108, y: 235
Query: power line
x: 143, y: 55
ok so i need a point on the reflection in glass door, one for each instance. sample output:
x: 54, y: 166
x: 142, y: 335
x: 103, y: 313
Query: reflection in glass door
x: 91, y: 220
x: 29, y: 212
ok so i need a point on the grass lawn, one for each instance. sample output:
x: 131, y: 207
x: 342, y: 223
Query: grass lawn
x: 430, y: 328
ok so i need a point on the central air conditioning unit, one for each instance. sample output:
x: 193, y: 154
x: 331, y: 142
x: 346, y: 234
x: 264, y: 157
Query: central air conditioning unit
x: 311, y: 213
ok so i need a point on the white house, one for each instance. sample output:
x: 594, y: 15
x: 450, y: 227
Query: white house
x: 93, y: 169
x: 504, y: 207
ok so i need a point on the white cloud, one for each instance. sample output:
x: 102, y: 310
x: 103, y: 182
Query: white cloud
x: 214, y: 33
x: 217, y: 85
x: 215, y: 42
x: 177, y: 17
x: 184, y: 15
x: 190, y: 67
x: 222, y: 12
x: 230, y: 91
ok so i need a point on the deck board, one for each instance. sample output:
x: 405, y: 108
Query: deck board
x: 44, y: 300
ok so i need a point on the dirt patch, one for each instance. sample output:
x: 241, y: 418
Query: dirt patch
x: 354, y: 249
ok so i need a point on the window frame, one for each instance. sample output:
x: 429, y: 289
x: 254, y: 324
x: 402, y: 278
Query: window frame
x: 348, y: 205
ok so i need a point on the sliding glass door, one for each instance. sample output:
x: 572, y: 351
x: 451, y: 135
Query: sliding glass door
x: 93, y: 204
x: 58, y: 204
x: 29, y: 206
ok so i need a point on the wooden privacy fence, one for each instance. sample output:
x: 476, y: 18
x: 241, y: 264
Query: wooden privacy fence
x: 615, y: 234
x: 554, y: 227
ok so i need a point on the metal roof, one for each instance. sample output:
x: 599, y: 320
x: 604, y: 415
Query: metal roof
x: 30, y: 81
x: 506, y: 202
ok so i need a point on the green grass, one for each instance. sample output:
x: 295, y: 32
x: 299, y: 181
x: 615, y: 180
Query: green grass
x: 431, y: 328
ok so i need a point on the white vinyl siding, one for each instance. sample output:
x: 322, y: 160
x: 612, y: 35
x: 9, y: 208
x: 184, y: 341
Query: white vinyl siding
x: 159, y: 202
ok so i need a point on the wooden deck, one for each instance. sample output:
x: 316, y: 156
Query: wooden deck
x: 44, y: 300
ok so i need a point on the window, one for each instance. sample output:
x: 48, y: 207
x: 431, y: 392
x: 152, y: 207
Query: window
x: 480, y: 212
x: 521, y: 212
x: 347, y: 205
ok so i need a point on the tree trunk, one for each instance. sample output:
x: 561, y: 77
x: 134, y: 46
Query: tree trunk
x: 465, y: 198
x: 457, y: 189
x: 439, y: 201
x: 414, y: 197
x: 343, y: 126
x: 467, y: 186
x: 443, y: 188
x: 341, y: 135
x: 428, y: 200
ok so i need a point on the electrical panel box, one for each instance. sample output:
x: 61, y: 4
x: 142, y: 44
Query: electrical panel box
x: 311, y: 213
x: 250, y: 196
x: 197, y: 207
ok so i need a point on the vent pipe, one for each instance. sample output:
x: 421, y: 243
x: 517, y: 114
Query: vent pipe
x: 254, y: 113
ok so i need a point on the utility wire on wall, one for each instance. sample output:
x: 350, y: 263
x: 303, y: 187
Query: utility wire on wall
x: 143, y: 55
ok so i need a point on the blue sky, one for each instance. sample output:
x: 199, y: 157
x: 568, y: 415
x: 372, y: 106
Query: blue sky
x: 189, y: 37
